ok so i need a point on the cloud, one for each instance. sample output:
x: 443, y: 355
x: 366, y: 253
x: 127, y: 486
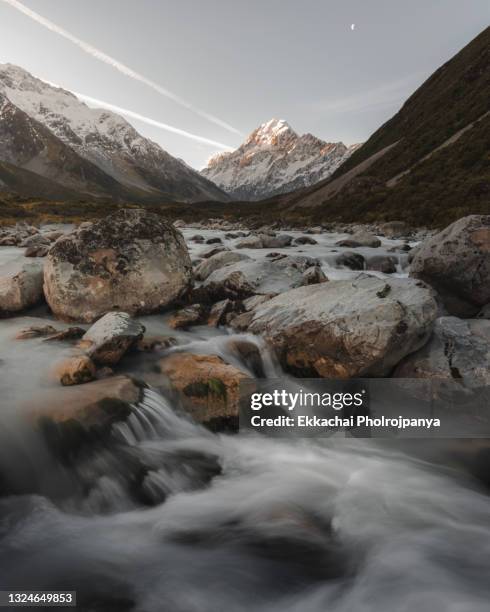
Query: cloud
x: 107, y: 59
x: 149, y: 121
x: 386, y: 95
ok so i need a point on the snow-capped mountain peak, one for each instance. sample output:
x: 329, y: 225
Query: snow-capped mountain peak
x: 275, y: 159
x: 101, y: 138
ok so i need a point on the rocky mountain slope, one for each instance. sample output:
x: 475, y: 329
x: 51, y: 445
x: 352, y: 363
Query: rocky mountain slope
x: 275, y: 159
x: 48, y: 131
x: 429, y: 164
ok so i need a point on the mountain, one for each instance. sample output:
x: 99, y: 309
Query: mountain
x: 429, y: 164
x: 273, y: 160
x: 48, y: 131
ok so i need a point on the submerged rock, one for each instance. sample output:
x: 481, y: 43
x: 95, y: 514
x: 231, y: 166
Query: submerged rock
x: 110, y: 337
x: 185, y: 317
x: 351, y: 260
x: 132, y: 260
x: 456, y: 262
x: 347, y: 328
x: 21, y: 285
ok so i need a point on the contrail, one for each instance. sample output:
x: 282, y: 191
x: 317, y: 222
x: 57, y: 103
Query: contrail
x: 103, y: 57
x: 158, y: 124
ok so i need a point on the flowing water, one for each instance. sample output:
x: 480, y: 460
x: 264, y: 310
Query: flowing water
x: 163, y: 515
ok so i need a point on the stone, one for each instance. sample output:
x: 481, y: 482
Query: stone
x: 132, y: 261
x: 382, y: 263
x: 21, y: 285
x: 305, y: 240
x: 456, y: 262
x: 360, y: 239
x: 111, y: 337
x: 218, y: 311
x: 208, y: 387
x: 219, y: 260
x: 313, y: 276
x: 347, y: 328
x: 75, y: 370
x: 35, y: 331
x: 351, y: 260
x: 185, y: 317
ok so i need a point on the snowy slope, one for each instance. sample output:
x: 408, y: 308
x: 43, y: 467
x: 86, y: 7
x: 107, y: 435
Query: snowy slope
x: 274, y: 159
x: 103, y: 138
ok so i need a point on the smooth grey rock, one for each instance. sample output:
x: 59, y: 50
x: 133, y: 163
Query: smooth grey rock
x: 347, y: 328
x: 21, y: 285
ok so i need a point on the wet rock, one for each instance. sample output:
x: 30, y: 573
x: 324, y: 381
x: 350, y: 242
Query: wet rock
x: 197, y: 238
x: 360, y: 239
x: 105, y: 372
x: 233, y: 235
x: 219, y: 260
x: 111, y: 337
x: 72, y: 416
x: 248, y: 353
x: 75, y: 370
x: 351, y: 260
x: 71, y: 333
x: 214, y: 240
x: 36, y: 251
x: 252, y: 242
x: 382, y: 263
x: 313, y: 276
x: 21, y: 285
x: 185, y: 317
x: 148, y: 344
x: 305, y: 240
x: 218, y: 312
x: 400, y: 248
x: 456, y: 262
x: 132, y: 260
x: 35, y: 331
x: 207, y: 386
x: 240, y: 322
x: 265, y: 241
x: 345, y: 329
x: 458, y: 351
x: 246, y: 278
x: 215, y: 251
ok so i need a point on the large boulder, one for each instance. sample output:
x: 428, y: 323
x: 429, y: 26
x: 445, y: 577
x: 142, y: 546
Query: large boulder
x: 456, y: 262
x: 347, y: 328
x: 132, y: 260
x: 21, y: 285
x: 458, y: 351
x: 208, y: 387
x: 216, y: 261
x: 110, y: 337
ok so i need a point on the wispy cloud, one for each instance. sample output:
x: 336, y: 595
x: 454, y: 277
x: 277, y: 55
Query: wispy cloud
x: 149, y: 121
x: 107, y: 59
x: 383, y: 96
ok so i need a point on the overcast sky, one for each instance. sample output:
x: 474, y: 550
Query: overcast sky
x: 242, y: 62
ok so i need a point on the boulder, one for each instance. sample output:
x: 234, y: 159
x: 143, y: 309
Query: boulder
x: 208, y: 387
x: 265, y: 241
x: 110, y: 337
x: 382, y: 263
x: 36, y: 251
x: 21, y: 285
x: 458, y: 351
x: 456, y: 262
x: 351, y: 260
x: 132, y: 260
x: 75, y: 370
x: 305, y: 240
x: 185, y: 317
x: 36, y: 240
x: 360, y: 239
x: 347, y: 328
x: 219, y: 260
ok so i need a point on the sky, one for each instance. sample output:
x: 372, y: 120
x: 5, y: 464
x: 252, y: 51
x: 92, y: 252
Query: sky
x: 218, y: 69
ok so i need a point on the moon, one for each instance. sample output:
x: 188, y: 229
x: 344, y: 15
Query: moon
x: 353, y: 26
